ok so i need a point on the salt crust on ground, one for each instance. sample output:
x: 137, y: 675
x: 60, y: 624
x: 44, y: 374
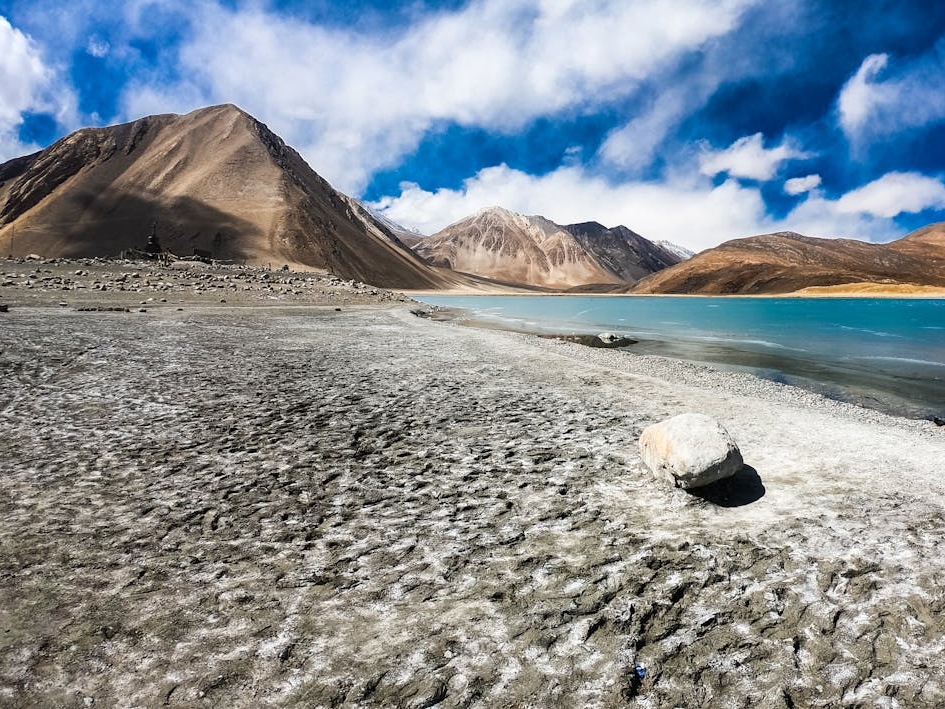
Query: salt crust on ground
x: 227, y: 506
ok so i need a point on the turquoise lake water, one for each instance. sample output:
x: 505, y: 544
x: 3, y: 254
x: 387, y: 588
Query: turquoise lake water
x: 885, y: 353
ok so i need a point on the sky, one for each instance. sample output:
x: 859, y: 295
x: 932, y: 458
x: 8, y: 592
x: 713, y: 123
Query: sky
x: 694, y: 121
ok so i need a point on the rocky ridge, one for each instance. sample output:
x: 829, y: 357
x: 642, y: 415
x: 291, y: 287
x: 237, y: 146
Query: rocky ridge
x: 508, y: 247
x: 786, y: 262
x: 215, y: 181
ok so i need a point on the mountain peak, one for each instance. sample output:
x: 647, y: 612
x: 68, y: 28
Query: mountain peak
x: 503, y: 245
x: 215, y: 180
x: 499, y: 212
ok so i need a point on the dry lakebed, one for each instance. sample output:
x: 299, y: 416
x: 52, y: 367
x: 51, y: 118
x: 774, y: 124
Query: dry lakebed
x: 246, y: 488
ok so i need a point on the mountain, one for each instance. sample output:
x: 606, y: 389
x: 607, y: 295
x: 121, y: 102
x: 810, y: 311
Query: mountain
x: 622, y: 251
x: 681, y: 251
x: 215, y: 180
x: 408, y: 237
x: 508, y: 247
x: 785, y: 262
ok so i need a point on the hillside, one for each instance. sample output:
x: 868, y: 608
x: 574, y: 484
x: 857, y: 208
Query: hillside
x: 508, y: 247
x: 787, y: 262
x: 214, y: 180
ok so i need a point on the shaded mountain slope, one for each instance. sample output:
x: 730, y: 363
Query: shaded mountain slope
x: 216, y: 180
x: 622, y: 251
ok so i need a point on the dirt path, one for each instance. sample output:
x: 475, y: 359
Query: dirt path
x: 307, y: 507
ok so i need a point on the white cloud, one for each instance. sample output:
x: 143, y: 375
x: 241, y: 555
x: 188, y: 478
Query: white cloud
x: 894, y: 193
x: 800, y: 185
x: 747, y: 157
x: 355, y: 103
x: 633, y: 145
x: 26, y: 85
x: 695, y: 214
x: 861, y: 95
x: 882, y: 99
x: 868, y: 212
x: 22, y: 74
x: 690, y: 212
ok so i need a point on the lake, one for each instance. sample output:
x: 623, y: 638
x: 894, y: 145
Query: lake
x: 884, y: 353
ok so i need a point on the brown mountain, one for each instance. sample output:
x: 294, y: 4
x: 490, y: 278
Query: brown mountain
x: 622, y: 251
x: 508, y: 247
x: 216, y: 180
x: 786, y: 262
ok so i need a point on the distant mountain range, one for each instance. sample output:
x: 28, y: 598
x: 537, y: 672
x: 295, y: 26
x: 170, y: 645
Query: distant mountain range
x: 786, y: 262
x: 508, y: 247
x: 217, y: 181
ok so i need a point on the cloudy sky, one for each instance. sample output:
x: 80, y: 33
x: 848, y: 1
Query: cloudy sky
x: 689, y: 120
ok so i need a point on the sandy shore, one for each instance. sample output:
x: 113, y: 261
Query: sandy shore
x: 275, y: 502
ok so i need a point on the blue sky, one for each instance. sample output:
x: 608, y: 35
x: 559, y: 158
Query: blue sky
x: 690, y: 120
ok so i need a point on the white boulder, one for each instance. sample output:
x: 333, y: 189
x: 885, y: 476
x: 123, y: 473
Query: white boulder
x: 690, y: 450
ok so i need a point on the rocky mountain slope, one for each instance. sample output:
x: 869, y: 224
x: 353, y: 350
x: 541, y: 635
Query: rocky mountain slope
x: 786, y: 262
x: 622, y: 251
x: 214, y: 180
x: 504, y: 246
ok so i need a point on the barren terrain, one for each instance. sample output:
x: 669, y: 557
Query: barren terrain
x: 215, y: 181
x: 271, y: 501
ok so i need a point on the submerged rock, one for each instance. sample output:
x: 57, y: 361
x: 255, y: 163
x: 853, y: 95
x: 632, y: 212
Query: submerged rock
x: 690, y: 450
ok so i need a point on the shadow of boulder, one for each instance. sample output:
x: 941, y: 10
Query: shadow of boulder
x: 743, y: 488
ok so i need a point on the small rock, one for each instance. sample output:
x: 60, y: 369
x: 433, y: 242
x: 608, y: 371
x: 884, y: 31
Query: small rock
x: 690, y: 450
x: 63, y: 304
x: 608, y: 337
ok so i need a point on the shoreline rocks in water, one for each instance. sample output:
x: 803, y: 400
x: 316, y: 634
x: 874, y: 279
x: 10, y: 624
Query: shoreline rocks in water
x: 604, y: 341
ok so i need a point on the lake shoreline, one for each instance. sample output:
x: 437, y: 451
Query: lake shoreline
x: 847, y: 367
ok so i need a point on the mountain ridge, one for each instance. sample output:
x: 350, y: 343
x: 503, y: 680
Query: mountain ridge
x: 503, y: 245
x: 785, y: 262
x: 219, y: 181
x: 215, y: 180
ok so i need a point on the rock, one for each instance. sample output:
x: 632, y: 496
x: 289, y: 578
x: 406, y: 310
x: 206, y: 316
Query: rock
x: 690, y: 450
x: 608, y: 337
